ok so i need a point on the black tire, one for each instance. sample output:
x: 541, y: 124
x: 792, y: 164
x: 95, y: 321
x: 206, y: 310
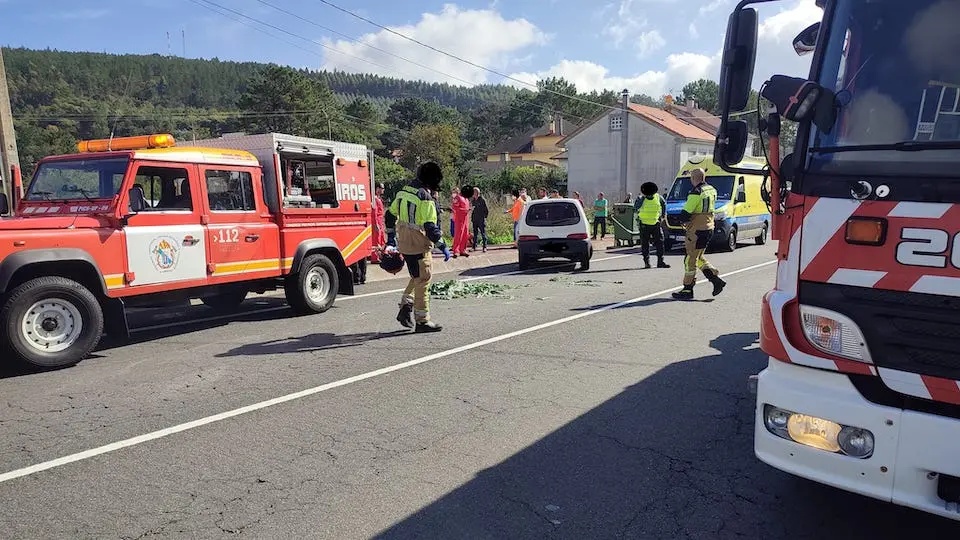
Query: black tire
x: 68, y: 299
x: 228, y: 300
x: 731, y: 242
x: 524, y: 263
x: 298, y: 287
x: 762, y: 239
x: 585, y: 263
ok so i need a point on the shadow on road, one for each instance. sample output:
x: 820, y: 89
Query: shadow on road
x: 669, y: 457
x: 309, y: 343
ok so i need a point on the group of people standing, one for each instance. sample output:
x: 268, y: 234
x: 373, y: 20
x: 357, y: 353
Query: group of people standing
x: 468, y: 207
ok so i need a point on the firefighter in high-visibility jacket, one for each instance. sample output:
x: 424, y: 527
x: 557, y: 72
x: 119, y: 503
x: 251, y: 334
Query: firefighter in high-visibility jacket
x: 414, y: 216
x: 697, y: 216
x: 651, y: 209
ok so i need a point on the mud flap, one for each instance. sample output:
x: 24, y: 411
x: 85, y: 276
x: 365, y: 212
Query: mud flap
x: 115, y: 318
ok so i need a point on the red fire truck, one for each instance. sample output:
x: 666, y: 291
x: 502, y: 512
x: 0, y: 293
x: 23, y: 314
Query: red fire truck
x: 862, y: 390
x: 140, y: 220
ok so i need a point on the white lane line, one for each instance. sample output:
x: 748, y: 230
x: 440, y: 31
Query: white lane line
x: 166, y: 432
x: 235, y: 316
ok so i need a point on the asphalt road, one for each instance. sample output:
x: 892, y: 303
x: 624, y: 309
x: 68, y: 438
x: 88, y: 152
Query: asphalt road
x: 562, y: 410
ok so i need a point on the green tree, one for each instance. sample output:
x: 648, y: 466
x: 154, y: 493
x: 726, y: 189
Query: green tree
x: 705, y: 92
x: 433, y: 142
x: 281, y: 99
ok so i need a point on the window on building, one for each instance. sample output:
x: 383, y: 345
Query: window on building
x: 616, y: 122
x: 230, y: 191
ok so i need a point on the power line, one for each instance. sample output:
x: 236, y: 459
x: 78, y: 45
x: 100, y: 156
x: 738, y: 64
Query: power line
x: 209, y: 4
x: 458, y: 58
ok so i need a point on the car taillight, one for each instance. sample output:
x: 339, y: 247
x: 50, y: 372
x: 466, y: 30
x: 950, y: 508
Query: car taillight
x: 578, y: 236
x: 528, y: 237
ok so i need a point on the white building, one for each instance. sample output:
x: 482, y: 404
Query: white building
x: 658, y: 143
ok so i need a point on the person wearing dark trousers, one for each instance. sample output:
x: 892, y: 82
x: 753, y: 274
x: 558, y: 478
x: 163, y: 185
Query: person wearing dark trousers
x: 651, y: 213
x: 479, y: 219
x: 600, y: 216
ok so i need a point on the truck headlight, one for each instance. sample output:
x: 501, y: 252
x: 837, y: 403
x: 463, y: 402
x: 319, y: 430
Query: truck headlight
x: 720, y: 215
x: 818, y: 433
x: 834, y: 333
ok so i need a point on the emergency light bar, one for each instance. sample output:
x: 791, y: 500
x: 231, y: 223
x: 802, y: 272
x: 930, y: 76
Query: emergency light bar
x: 161, y: 140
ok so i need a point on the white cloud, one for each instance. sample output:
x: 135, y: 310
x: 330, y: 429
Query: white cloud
x: 649, y: 42
x: 712, y: 6
x: 483, y: 37
x: 624, y: 23
x: 692, y: 30
x: 775, y: 55
x: 681, y: 69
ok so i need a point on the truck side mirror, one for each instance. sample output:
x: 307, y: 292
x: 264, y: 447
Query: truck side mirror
x: 806, y: 41
x: 739, y: 58
x: 138, y: 199
x: 731, y: 146
x: 4, y: 204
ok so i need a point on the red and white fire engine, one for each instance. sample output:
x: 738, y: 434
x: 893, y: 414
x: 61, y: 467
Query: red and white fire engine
x: 139, y: 220
x: 862, y: 390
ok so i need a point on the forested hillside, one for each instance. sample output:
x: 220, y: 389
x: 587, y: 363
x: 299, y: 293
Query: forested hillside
x: 61, y: 97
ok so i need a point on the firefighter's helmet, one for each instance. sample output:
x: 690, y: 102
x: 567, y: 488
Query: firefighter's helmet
x: 391, y: 261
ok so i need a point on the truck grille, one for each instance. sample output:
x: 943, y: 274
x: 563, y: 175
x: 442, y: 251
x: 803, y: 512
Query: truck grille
x: 912, y: 332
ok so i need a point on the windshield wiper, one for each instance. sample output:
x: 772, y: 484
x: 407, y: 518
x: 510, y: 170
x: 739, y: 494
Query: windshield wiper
x: 904, y: 146
x: 45, y: 194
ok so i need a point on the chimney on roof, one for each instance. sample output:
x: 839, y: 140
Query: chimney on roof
x: 557, y: 124
x: 692, y: 103
x: 626, y: 99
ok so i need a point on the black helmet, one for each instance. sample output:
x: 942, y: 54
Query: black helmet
x: 649, y: 188
x: 391, y: 261
x: 430, y: 175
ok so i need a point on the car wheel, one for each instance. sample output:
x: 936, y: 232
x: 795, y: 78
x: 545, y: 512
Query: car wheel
x: 314, y: 288
x: 52, y: 322
x: 762, y: 239
x: 585, y: 263
x: 226, y: 300
x: 524, y: 263
x: 731, y: 244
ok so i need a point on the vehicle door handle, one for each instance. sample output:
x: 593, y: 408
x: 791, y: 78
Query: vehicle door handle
x: 190, y: 241
x: 252, y: 237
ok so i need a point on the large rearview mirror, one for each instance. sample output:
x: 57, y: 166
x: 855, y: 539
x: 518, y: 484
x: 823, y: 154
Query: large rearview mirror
x: 806, y: 41
x: 4, y: 204
x: 138, y: 199
x: 731, y: 146
x: 739, y: 58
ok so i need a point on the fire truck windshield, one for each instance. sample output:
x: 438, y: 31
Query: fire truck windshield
x: 896, y: 72
x: 88, y: 179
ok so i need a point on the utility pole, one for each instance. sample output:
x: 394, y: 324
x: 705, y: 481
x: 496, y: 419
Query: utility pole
x: 8, y: 139
x: 624, y: 144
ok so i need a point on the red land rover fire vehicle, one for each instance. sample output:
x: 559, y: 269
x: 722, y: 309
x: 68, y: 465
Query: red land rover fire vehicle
x: 136, y: 220
x: 862, y: 390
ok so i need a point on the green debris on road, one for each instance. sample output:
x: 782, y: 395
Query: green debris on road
x: 583, y: 282
x: 453, y: 288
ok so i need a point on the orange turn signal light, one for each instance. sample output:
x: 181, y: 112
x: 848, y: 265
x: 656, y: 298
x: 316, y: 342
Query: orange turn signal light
x: 866, y: 231
x: 341, y: 162
x: 160, y: 140
x: 362, y: 163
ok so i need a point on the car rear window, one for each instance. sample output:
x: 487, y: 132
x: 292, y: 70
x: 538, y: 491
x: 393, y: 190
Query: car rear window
x: 553, y: 214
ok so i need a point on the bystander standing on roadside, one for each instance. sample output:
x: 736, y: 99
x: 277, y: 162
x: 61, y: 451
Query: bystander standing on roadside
x: 600, y: 216
x: 541, y: 193
x: 554, y: 194
x: 578, y: 198
x: 515, y: 212
x: 461, y: 220
x: 479, y: 219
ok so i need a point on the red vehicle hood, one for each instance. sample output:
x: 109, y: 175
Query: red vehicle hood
x: 52, y: 222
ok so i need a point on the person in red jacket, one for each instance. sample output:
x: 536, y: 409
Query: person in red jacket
x: 379, y: 224
x: 461, y: 221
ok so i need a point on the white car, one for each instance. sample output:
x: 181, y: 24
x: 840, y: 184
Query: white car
x: 554, y: 228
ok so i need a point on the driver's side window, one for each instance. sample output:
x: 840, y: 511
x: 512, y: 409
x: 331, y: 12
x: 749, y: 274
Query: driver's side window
x: 163, y: 189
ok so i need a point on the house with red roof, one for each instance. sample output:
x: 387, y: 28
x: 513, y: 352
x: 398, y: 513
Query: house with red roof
x: 659, y: 142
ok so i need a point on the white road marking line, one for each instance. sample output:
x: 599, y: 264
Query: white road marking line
x: 166, y: 432
x: 236, y: 316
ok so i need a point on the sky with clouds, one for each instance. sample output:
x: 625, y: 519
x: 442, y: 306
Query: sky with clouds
x: 648, y: 46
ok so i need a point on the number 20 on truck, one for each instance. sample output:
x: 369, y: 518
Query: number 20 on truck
x: 862, y: 327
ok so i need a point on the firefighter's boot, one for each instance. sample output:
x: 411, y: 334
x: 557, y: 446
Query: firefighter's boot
x: 405, y: 317
x: 686, y: 293
x: 428, y: 327
x: 718, y: 284
x: 662, y: 264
